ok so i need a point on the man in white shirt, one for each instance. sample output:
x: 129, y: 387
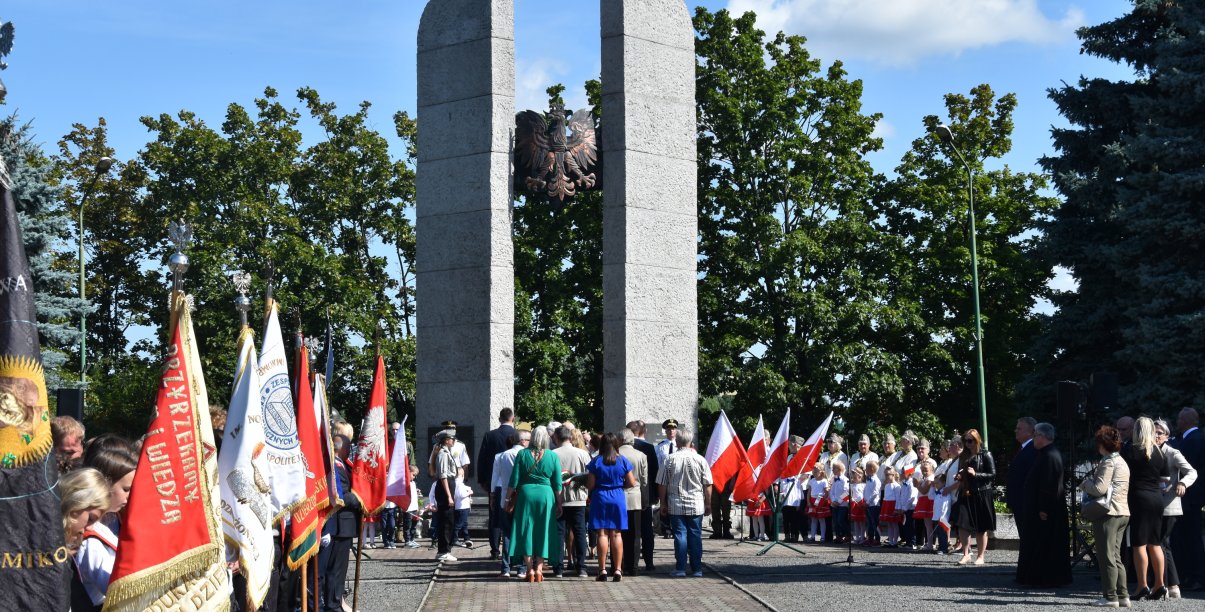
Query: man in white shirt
x: 504, y: 466
x: 573, y: 515
x: 665, y: 448
x: 906, y: 466
x: 889, y: 456
x: 685, y: 490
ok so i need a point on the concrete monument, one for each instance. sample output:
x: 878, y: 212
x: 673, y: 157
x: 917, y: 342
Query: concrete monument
x: 465, y: 275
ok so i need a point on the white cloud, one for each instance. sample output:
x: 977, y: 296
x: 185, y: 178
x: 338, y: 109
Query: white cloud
x: 533, y: 77
x: 883, y: 129
x: 900, y: 32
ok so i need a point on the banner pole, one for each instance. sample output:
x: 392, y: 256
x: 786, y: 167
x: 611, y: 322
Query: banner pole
x: 355, y: 593
x: 305, y: 601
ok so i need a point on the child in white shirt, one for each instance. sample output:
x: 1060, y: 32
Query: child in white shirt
x: 874, y: 498
x: 891, y: 517
x: 838, y: 495
x: 857, y: 504
x: 818, y: 503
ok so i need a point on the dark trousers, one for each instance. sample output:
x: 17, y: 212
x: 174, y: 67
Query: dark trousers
x: 388, y: 525
x: 631, y: 542
x: 790, y: 525
x: 840, y: 522
x: 1170, y: 576
x: 409, y: 526
x: 908, y: 529
x: 444, y: 521
x: 646, y: 536
x: 1186, y: 542
x: 495, y: 521
x: 462, y: 524
x: 872, y: 522
x: 574, y: 517
x: 721, y: 514
x: 334, y: 559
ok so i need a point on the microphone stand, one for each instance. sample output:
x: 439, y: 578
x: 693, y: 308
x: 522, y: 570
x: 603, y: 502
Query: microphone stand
x: 849, y: 560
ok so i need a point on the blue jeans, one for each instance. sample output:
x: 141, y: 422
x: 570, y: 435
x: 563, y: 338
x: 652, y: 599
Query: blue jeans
x: 388, y: 524
x: 574, y: 518
x: 462, y: 524
x: 688, y: 541
x: 872, y: 522
x: 840, y: 521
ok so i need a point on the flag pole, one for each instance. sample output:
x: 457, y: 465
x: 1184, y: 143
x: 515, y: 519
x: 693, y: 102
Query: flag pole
x: 355, y: 593
x: 776, y: 503
x: 305, y: 601
x: 317, y: 595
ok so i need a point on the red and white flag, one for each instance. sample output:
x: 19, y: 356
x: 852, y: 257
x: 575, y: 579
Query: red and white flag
x: 757, y: 447
x: 725, y: 453
x: 371, y: 464
x: 809, y: 453
x: 397, y: 484
x: 776, y: 459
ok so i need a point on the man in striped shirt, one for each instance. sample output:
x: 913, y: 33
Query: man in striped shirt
x: 685, y: 486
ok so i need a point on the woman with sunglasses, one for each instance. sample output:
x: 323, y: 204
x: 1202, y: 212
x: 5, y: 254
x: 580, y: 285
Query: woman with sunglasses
x: 973, y: 511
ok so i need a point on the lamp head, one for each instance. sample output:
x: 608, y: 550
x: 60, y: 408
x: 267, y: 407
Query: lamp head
x: 944, y: 133
x: 103, y: 165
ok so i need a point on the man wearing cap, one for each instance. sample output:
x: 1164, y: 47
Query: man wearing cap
x: 494, y: 442
x: 889, y: 457
x: 446, y: 471
x: 834, y: 453
x: 863, y: 454
x: 665, y: 448
x: 459, y: 452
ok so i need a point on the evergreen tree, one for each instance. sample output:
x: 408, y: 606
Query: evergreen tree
x: 47, y: 228
x: 1131, y: 228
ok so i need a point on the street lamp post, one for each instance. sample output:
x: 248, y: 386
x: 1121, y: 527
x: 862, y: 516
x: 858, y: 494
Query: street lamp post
x: 102, y: 167
x: 947, y: 136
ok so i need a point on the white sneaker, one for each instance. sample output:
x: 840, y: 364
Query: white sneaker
x: 447, y: 557
x: 1104, y: 602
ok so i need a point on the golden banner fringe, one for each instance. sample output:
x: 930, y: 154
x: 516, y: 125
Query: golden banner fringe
x: 139, y: 590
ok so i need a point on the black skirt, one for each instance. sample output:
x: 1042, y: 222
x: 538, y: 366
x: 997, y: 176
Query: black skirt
x: 974, y: 512
x: 1146, y: 518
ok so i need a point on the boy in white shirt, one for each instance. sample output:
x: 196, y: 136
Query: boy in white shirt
x: 838, y: 494
x: 873, y: 494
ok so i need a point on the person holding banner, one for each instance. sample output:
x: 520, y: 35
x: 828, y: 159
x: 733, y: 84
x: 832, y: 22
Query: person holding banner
x: 337, y: 534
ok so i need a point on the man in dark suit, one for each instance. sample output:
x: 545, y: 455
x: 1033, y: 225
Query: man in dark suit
x: 1019, y: 468
x: 647, y: 542
x: 494, y: 442
x: 337, y: 534
x: 1186, y: 533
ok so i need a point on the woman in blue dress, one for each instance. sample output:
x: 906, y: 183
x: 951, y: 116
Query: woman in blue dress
x: 608, y: 475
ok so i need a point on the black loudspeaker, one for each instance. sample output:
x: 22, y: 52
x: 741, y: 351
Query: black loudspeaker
x: 1070, y: 399
x: 71, y: 403
x: 1102, y: 392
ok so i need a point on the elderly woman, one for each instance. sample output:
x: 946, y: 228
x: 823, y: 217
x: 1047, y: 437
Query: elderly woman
x: 1147, y: 466
x: 536, y: 482
x: 973, y: 512
x: 1110, y: 477
x: 1182, y: 476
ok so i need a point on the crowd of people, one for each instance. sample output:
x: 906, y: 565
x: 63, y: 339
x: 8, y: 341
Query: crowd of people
x: 561, y: 497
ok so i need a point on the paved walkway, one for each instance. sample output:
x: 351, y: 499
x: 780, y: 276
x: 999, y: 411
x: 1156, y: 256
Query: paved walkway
x: 735, y: 579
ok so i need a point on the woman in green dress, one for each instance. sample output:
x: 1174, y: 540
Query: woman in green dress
x: 537, y: 479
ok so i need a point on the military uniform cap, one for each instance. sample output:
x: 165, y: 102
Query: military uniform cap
x: 669, y: 424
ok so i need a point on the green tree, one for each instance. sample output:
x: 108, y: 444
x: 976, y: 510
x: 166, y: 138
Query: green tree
x: 328, y: 220
x: 794, y: 293
x: 558, y: 301
x: 46, y: 228
x: 1130, y: 228
x: 925, y: 207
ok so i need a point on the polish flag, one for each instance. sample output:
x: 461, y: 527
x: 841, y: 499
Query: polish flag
x: 725, y: 453
x: 776, y: 460
x: 397, y: 479
x: 757, y: 447
x: 807, y: 456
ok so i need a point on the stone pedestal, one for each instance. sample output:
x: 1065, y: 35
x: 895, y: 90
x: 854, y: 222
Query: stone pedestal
x: 650, y: 336
x: 465, y: 260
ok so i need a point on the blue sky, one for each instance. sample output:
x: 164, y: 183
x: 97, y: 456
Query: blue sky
x: 74, y: 61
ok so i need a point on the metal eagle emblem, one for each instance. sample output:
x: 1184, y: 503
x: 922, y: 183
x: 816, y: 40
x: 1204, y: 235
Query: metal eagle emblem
x: 557, y: 159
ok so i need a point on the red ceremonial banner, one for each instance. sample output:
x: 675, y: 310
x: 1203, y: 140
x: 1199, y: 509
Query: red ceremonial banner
x: 306, y: 525
x: 167, y: 553
x: 371, y: 466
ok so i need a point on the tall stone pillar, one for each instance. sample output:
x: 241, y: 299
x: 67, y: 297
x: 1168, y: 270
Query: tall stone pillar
x: 650, y: 336
x: 465, y: 260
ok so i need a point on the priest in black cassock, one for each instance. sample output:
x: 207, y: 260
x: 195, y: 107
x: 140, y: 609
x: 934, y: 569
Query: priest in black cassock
x: 1045, y: 558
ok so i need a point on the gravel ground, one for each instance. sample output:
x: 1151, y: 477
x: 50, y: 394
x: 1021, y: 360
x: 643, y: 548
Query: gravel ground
x: 395, y: 584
